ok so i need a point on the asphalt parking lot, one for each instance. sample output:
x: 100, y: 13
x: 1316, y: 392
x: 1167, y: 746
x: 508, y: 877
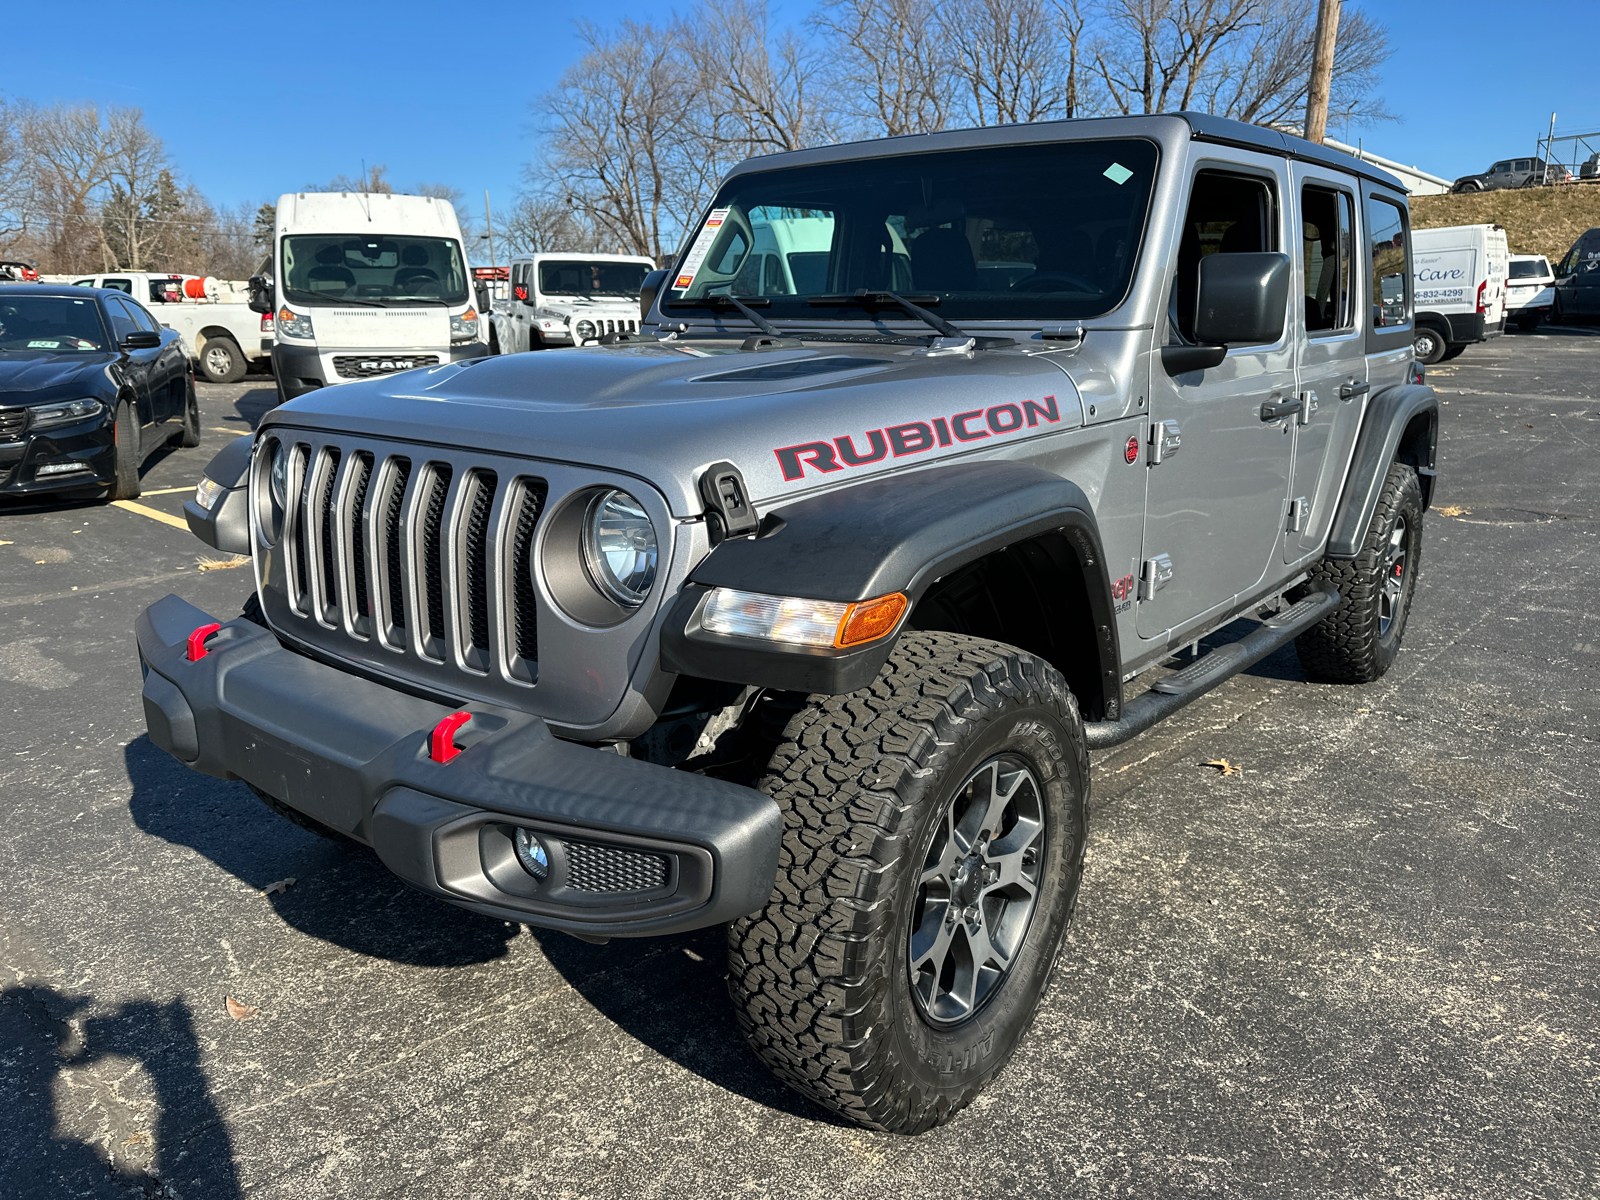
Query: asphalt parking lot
x: 1368, y: 965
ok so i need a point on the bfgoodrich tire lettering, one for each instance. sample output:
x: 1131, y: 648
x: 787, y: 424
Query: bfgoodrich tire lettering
x: 1358, y: 641
x: 821, y: 978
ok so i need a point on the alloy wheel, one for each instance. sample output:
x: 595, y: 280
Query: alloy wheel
x: 1394, y: 578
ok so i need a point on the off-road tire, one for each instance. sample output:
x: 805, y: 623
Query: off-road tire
x: 820, y: 978
x: 1349, y: 644
x: 126, y: 485
x: 221, y: 360
x: 189, y: 433
x: 1428, y: 344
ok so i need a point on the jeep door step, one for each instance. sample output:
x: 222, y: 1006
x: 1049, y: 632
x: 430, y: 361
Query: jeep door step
x: 1170, y: 693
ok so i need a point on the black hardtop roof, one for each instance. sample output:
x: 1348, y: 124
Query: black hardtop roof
x: 1202, y: 127
x: 55, y: 289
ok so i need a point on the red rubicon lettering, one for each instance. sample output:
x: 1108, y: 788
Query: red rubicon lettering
x: 818, y: 454
x: 959, y: 424
x: 847, y: 449
x: 941, y: 429
x: 910, y: 438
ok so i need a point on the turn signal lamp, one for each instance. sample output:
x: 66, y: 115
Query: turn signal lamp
x: 798, y: 622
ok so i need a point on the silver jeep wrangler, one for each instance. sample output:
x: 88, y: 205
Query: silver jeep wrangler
x: 801, y: 610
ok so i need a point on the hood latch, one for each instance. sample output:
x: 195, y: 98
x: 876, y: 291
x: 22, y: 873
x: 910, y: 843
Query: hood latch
x: 729, y: 512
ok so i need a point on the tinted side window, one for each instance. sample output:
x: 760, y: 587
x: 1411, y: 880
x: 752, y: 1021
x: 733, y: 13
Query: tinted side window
x: 121, y: 285
x: 1386, y: 235
x: 1325, y: 252
x: 122, y: 322
x: 144, y: 319
x: 1228, y: 214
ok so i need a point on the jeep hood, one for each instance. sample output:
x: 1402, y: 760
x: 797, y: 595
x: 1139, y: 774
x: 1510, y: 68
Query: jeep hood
x: 793, y: 421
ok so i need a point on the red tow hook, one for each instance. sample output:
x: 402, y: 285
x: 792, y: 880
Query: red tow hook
x: 444, y: 737
x: 197, y: 641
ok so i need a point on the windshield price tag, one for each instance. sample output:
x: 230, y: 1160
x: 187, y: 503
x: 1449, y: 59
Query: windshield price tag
x: 701, y: 248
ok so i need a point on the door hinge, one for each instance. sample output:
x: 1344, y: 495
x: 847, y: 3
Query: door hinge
x: 1165, y: 438
x: 1308, y: 405
x: 1154, y: 575
x: 1299, y: 510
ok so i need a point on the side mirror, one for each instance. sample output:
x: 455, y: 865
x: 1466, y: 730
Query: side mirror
x: 141, y: 339
x: 1241, y: 302
x: 261, y: 297
x: 647, y: 292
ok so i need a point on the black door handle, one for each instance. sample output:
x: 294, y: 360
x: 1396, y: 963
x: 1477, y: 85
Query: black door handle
x: 1285, y: 408
x: 1351, y: 390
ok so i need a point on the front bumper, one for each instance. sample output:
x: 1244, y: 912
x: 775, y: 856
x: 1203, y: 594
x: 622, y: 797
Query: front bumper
x: 91, y: 443
x: 301, y: 369
x: 635, y: 849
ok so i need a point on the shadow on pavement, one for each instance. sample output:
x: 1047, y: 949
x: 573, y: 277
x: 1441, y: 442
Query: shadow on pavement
x: 255, y: 404
x: 671, y: 994
x: 184, y: 1150
x: 343, y: 894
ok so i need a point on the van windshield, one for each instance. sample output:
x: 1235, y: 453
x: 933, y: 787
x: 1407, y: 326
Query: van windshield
x: 580, y: 277
x: 1029, y: 232
x: 323, y: 269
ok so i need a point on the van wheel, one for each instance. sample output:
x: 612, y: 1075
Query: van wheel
x: 126, y: 485
x: 221, y: 360
x: 1428, y: 345
x: 1357, y: 642
x: 933, y: 845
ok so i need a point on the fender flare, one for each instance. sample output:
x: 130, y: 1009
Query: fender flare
x: 900, y: 534
x: 1402, y: 422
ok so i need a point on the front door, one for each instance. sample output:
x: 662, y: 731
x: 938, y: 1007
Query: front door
x: 1215, y: 507
x: 1331, y: 366
x: 137, y: 364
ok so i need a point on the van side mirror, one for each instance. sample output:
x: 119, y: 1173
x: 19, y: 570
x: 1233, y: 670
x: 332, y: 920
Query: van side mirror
x: 1242, y: 300
x: 647, y: 292
x: 261, y: 297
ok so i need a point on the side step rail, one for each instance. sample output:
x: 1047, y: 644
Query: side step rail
x: 1167, y: 695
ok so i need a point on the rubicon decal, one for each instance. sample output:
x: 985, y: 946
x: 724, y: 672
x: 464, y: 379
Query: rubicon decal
x: 914, y: 437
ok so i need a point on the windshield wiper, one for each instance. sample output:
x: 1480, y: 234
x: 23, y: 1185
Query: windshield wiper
x: 862, y: 298
x: 724, y: 301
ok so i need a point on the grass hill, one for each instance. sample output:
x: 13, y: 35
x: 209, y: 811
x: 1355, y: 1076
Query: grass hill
x: 1537, y: 220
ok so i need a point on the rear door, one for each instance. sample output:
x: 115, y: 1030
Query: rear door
x: 1215, y: 504
x: 1330, y: 359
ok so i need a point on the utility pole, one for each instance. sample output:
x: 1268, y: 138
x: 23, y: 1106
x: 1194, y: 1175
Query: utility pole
x: 489, y: 221
x: 1321, y: 71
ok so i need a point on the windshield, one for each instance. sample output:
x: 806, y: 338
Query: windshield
x: 337, y: 268
x: 54, y: 324
x: 1029, y: 232
x: 577, y: 277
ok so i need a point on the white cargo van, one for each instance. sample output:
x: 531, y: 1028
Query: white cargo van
x: 568, y: 299
x: 366, y: 284
x: 1459, y: 283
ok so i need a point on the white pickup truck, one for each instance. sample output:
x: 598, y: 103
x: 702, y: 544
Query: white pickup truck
x: 220, y: 333
x: 567, y: 300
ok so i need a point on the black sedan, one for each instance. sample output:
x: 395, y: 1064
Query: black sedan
x: 90, y: 384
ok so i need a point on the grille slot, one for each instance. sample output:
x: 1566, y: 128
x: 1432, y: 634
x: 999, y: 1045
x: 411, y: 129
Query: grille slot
x: 295, y: 529
x: 393, y: 540
x: 438, y: 488
x: 371, y: 366
x: 13, y: 423
x: 592, y: 867
x: 327, y: 590
x: 474, y: 552
x: 357, y: 510
x: 524, y: 606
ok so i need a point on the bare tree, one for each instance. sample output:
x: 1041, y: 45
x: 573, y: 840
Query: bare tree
x: 372, y: 179
x: 138, y: 171
x: 541, y: 224
x: 890, y: 63
x: 760, y: 91
x: 1074, y: 21
x: 1007, y: 58
x: 17, y: 193
x: 1155, y: 54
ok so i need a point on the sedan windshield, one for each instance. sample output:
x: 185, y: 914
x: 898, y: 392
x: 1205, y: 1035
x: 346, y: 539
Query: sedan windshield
x: 578, y: 277
x: 335, y: 268
x: 1025, y: 232
x: 52, y: 324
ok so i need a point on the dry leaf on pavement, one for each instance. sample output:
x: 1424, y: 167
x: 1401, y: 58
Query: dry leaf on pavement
x: 1224, y: 766
x: 282, y: 885
x: 207, y: 563
x: 1452, y: 510
x: 241, y: 1012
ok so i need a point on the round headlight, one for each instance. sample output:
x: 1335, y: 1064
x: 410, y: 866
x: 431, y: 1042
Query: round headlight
x: 619, y: 548
x: 584, y: 330
x: 280, y: 475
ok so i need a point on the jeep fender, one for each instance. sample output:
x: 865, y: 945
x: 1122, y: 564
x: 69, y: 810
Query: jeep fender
x: 900, y: 534
x: 225, y: 525
x: 1402, y: 422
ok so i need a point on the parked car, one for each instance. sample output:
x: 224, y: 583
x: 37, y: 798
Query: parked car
x: 1529, y: 291
x: 220, y: 333
x: 567, y: 299
x: 1513, y: 173
x: 90, y: 384
x: 802, y: 611
x: 1577, y: 285
x: 1460, y: 276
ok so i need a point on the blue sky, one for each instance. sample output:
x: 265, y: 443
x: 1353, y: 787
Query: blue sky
x: 441, y: 93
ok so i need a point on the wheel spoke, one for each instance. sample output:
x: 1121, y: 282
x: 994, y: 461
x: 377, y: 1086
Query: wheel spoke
x: 985, y: 951
x: 933, y: 939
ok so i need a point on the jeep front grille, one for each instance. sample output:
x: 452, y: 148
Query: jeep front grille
x: 370, y: 366
x: 425, y: 558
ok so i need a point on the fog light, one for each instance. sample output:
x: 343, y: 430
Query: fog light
x: 61, y: 468
x: 531, y: 854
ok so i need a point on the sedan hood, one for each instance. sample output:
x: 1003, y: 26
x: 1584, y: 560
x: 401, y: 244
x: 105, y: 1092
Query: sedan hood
x: 793, y: 420
x: 40, y: 377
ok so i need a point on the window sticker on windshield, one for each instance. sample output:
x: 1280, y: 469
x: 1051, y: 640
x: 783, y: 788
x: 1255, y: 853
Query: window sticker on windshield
x: 701, y: 248
x: 1118, y: 174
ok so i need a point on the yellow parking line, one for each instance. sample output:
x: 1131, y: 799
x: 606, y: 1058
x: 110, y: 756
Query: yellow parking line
x: 167, y: 491
x: 130, y: 506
